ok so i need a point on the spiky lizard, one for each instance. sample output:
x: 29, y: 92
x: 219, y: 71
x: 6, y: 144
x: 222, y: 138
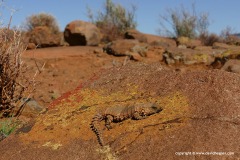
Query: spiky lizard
x: 120, y: 113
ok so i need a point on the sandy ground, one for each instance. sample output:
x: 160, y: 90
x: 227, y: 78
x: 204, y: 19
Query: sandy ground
x: 64, y: 68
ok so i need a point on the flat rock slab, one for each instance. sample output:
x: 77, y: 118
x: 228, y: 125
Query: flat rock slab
x: 200, y: 115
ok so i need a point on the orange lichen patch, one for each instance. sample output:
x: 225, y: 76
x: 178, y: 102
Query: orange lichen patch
x: 174, y: 114
x: 71, y: 118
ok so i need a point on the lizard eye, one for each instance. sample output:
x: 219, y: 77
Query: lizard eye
x: 154, y: 107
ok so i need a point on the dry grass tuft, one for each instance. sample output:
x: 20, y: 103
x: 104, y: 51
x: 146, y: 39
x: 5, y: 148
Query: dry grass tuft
x: 15, y: 82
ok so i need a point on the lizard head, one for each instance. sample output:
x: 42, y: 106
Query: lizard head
x: 153, y: 108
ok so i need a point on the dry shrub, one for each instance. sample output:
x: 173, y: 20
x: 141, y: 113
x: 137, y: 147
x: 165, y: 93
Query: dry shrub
x: 114, y: 20
x: 42, y: 30
x: 42, y: 19
x: 14, y: 81
x: 181, y: 22
x: 209, y: 39
x: 229, y: 37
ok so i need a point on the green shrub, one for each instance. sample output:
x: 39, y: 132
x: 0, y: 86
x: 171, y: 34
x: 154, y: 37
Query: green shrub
x: 114, y: 20
x: 6, y: 128
x: 183, y: 23
x: 42, y: 19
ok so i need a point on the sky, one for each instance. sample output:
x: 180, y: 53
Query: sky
x: 222, y: 13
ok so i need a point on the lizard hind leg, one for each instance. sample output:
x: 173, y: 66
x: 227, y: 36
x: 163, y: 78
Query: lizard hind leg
x: 108, y: 121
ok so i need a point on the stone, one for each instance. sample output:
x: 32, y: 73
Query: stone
x: 188, y: 56
x: 200, y: 116
x: 164, y: 42
x: 31, y: 46
x: 122, y: 47
x: 135, y: 34
x: 156, y: 53
x: 31, y: 108
x: 189, y: 43
x: 82, y: 33
x: 232, y: 65
x: 218, y: 45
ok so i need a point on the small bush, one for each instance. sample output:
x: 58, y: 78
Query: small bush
x: 183, y: 23
x: 115, y: 20
x: 209, y: 39
x: 42, y: 19
x: 229, y: 37
x: 14, y: 81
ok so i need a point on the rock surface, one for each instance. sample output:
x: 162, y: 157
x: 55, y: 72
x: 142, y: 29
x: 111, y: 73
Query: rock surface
x: 200, y: 114
x: 134, y: 34
x: 124, y: 47
x: 188, y: 56
x: 233, y: 65
x: 189, y: 43
x: 82, y: 33
x: 160, y: 41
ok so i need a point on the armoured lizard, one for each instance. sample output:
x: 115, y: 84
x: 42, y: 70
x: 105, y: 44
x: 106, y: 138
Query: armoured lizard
x: 120, y: 113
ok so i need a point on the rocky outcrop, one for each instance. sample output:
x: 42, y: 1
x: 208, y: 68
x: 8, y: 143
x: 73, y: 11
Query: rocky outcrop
x: 188, y: 43
x: 42, y: 36
x: 134, y: 34
x: 160, y: 41
x: 200, y: 116
x: 218, y: 45
x: 31, y: 46
x: 232, y: 65
x: 82, y: 33
x: 30, y: 107
x: 126, y: 47
x: 188, y: 56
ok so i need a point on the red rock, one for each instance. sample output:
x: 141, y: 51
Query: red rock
x: 82, y: 33
x: 31, y: 46
x: 189, y: 43
x: 232, y: 65
x: 134, y: 34
x: 160, y: 41
x: 122, y: 47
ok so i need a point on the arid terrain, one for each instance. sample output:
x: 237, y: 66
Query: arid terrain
x: 62, y: 69
x: 200, y: 108
x: 100, y: 89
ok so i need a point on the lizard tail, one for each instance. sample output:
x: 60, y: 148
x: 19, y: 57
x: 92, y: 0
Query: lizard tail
x: 95, y: 122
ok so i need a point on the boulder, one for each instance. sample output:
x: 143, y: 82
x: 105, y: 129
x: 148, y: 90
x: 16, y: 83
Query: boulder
x: 31, y: 46
x: 124, y: 47
x: 219, y: 45
x: 135, y: 34
x: 232, y: 65
x: 188, y: 56
x: 200, y: 116
x: 189, y: 43
x: 160, y: 41
x: 155, y: 52
x: 82, y: 33
x: 42, y: 36
x: 31, y: 108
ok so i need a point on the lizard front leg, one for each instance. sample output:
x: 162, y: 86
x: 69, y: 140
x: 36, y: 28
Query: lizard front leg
x: 108, y: 121
x: 138, y: 116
